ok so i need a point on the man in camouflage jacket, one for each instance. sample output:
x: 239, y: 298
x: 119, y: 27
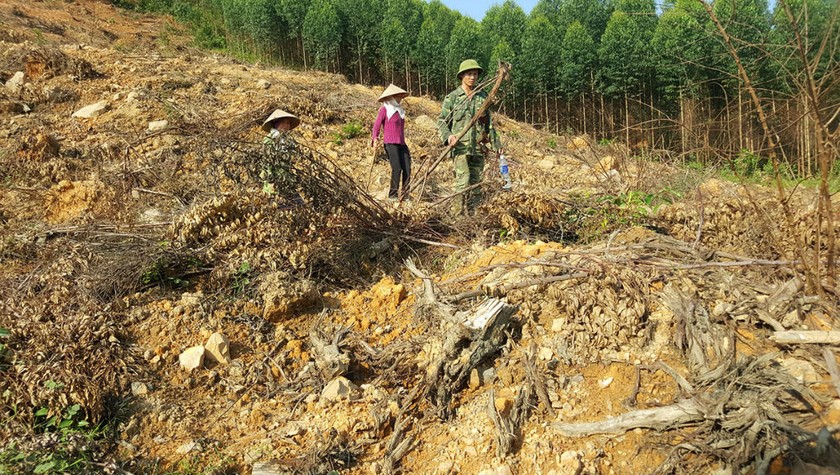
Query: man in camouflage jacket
x: 459, y: 107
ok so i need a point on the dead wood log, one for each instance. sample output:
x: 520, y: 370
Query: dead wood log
x: 329, y: 359
x: 399, y: 445
x: 502, y: 290
x: 536, y: 380
x: 792, y: 337
x: 705, y: 344
x: 505, y: 434
x: 684, y: 412
x: 467, y: 345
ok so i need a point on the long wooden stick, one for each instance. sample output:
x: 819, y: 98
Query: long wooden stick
x: 807, y: 336
x: 684, y: 412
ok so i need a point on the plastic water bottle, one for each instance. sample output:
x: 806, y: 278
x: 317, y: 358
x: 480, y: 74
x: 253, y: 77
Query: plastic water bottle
x: 503, y: 168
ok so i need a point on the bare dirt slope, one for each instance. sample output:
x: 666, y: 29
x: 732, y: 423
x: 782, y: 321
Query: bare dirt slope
x: 129, y: 236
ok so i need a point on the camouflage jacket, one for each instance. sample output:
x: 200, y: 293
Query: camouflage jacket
x: 456, y: 113
x: 275, y: 167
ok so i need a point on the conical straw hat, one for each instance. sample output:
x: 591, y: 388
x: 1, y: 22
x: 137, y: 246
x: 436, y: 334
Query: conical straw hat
x: 392, y: 90
x: 279, y: 114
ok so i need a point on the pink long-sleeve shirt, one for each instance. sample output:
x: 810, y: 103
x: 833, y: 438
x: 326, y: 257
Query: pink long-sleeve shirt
x: 394, y: 130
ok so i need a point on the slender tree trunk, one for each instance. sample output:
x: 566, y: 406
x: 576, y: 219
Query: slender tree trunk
x: 626, y: 121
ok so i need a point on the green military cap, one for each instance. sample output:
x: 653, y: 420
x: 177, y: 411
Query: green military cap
x: 468, y: 65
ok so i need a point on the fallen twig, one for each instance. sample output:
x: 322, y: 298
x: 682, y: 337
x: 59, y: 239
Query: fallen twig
x: 794, y: 337
x: 660, y: 418
x: 504, y: 289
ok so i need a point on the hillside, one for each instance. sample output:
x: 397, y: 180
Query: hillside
x: 621, y: 290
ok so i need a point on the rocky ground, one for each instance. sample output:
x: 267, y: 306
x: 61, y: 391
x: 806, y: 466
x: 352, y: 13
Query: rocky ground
x: 216, y: 329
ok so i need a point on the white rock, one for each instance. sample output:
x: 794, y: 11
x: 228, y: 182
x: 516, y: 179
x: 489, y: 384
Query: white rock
x: 188, y: 447
x: 268, y: 468
x: 156, y: 125
x: 15, y: 83
x: 192, y: 358
x: 503, y: 470
x: 337, y: 389
x: 557, y: 324
x: 446, y: 467
x: 570, y: 464
x: 546, y: 164
x: 218, y: 348
x: 605, y: 382
x: 802, y: 370
x: 92, y: 110
x: 263, y: 84
x: 139, y: 389
x: 545, y: 353
x: 134, y: 96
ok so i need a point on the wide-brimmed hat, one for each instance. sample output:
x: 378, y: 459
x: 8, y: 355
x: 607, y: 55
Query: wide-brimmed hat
x: 469, y: 65
x: 279, y: 114
x: 392, y: 90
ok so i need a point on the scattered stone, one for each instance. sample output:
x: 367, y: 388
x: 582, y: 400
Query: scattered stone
x: 545, y: 353
x: 15, y: 83
x: 218, y: 348
x: 546, y: 164
x: 337, y: 389
x: 503, y: 405
x: 488, y: 375
x: 263, y: 84
x: 269, y: 468
x: 802, y: 370
x: 446, y: 467
x: 134, y: 96
x: 570, y: 464
x: 157, y: 125
x: 139, y: 389
x: 188, y: 447
x: 604, y: 383
x: 475, y: 380
x: 295, y: 428
x: 558, y: 324
x: 192, y: 358
x: 283, y: 295
x: 57, y: 94
x: 93, y: 110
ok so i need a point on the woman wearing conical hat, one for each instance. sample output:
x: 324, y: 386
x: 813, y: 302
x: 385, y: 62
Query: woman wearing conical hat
x: 391, y: 119
x: 278, y: 122
x: 276, y: 172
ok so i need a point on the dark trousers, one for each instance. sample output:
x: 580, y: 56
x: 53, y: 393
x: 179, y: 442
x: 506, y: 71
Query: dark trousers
x: 400, y: 161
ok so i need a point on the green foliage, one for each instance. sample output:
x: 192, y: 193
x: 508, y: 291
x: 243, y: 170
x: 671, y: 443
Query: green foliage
x: 68, y: 445
x: 505, y: 23
x: 624, y: 53
x: 576, y: 67
x: 747, y: 163
x: 241, y: 279
x: 322, y: 32
x: 552, y: 143
x: 429, y: 52
x: 539, y: 55
x: 348, y: 131
x: 466, y: 41
x: 4, y: 334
